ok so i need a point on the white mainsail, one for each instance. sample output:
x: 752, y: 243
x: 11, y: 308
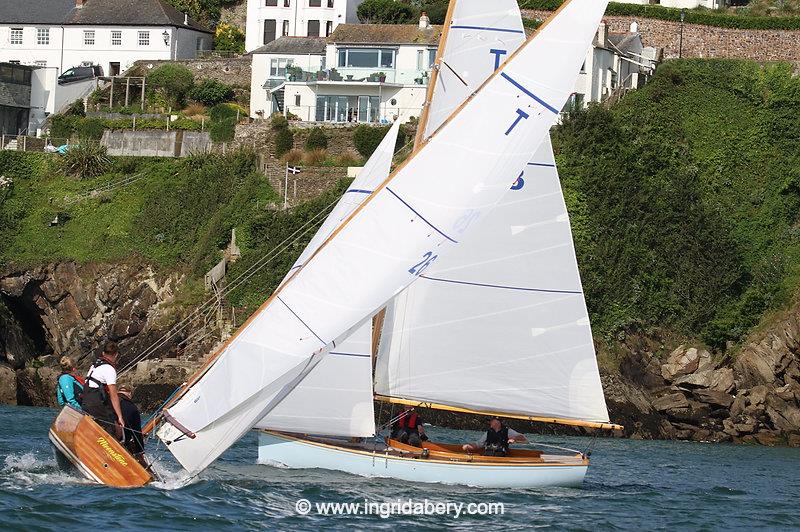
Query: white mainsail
x: 335, y: 398
x: 500, y: 324
x: 397, y: 233
x: 480, y: 36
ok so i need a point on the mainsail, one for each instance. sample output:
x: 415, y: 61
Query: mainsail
x: 499, y: 325
x: 422, y: 211
x: 335, y: 398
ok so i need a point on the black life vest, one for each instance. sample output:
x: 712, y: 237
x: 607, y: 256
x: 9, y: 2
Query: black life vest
x: 496, y: 442
x: 102, y: 388
x: 77, y: 386
x: 408, y: 421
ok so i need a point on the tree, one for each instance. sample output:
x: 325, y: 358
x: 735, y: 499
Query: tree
x: 386, y: 12
x: 229, y: 38
x: 171, y: 83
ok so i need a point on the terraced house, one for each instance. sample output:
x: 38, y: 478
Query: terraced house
x: 62, y: 34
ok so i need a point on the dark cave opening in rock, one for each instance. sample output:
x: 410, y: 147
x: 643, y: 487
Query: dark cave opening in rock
x: 28, y: 319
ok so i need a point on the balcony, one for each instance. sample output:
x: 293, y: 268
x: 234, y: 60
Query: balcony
x: 349, y: 76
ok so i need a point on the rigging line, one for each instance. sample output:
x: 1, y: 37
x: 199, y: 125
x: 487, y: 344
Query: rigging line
x: 454, y: 72
x: 238, y: 281
x: 500, y: 286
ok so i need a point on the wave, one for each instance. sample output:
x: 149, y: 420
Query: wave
x: 26, y: 470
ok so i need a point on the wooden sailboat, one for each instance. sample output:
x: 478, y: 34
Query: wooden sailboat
x: 404, y: 229
x: 511, y: 291
x: 95, y: 454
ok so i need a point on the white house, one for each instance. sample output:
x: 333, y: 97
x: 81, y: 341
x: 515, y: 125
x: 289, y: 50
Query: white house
x: 360, y: 73
x: 60, y: 34
x: 268, y: 20
x: 615, y: 63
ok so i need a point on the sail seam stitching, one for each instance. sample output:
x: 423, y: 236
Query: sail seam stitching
x: 486, y: 28
x: 420, y: 216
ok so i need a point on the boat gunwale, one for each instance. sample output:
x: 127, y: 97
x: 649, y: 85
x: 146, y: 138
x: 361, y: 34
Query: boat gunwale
x: 384, y: 455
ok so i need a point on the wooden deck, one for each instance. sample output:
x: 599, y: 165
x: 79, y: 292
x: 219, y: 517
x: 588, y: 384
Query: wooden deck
x: 96, y: 454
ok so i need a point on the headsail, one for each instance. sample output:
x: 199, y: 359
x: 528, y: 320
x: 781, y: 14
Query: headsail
x: 397, y: 233
x: 500, y: 324
x: 335, y: 398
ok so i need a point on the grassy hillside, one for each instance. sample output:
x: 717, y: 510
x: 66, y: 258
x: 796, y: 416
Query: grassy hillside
x: 685, y: 199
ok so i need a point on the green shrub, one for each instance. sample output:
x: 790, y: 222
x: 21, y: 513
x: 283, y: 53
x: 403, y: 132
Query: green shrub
x: 225, y: 111
x: 277, y: 121
x: 222, y: 130
x: 386, y: 12
x: 229, y: 38
x: 172, y: 83
x: 284, y: 141
x: 86, y: 160
x: 211, y: 92
x: 62, y: 126
x: 316, y: 140
x: 76, y: 108
x: 367, y: 138
x: 90, y: 128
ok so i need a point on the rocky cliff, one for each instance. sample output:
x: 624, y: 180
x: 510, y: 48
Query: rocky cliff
x: 68, y: 309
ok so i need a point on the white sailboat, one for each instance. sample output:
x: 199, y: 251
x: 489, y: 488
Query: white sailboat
x: 424, y: 210
x: 497, y: 326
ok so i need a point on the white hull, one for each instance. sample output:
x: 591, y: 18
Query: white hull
x: 274, y: 448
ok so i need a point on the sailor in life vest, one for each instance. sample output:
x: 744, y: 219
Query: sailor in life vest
x: 496, y: 440
x: 69, y: 390
x: 408, y: 427
x: 100, y: 397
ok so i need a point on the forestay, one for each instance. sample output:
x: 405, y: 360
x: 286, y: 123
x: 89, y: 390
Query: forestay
x: 480, y: 37
x: 335, y: 398
x: 422, y: 211
x: 500, y: 324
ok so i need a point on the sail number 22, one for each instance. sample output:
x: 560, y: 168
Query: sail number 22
x: 427, y: 260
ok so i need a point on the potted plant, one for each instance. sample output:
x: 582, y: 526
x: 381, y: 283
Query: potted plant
x: 382, y: 77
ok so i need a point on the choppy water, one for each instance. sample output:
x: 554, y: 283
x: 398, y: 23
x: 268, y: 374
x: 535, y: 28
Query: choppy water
x: 630, y: 485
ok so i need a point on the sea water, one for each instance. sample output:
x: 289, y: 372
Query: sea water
x: 630, y: 485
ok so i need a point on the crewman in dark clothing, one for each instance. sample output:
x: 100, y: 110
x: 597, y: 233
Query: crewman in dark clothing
x: 100, y: 396
x: 496, y: 440
x: 133, y: 424
x: 408, y: 427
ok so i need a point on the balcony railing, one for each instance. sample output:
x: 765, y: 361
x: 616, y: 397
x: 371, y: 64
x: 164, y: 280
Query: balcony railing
x: 351, y: 75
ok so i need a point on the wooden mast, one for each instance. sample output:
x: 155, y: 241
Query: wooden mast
x: 419, y: 138
x: 554, y: 420
x: 204, y: 368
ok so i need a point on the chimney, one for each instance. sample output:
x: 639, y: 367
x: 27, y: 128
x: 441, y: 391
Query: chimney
x: 634, y: 27
x: 602, y: 34
x: 79, y: 3
x: 186, y: 19
x: 424, y: 21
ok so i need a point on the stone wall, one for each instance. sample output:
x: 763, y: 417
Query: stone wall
x: 148, y: 143
x: 706, y: 41
x: 231, y: 70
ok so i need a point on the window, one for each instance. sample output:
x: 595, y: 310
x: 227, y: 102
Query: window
x: 297, y: 100
x: 331, y: 109
x: 314, y: 3
x: 198, y: 44
x: 285, y: 30
x: 43, y: 36
x: 368, y: 108
x: 313, y: 28
x: 366, y: 58
x: 330, y: 3
x: 328, y: 28
x: 16, y: 36
x: 269, y: 30
x: 271, y: 3
x: 144, y: 38
x: 116, y: 38
x: 277, y: 67
x: 88, y: 37
x: 286, y: 3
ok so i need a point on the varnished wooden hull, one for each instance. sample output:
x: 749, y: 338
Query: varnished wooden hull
x: 97, y: 455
